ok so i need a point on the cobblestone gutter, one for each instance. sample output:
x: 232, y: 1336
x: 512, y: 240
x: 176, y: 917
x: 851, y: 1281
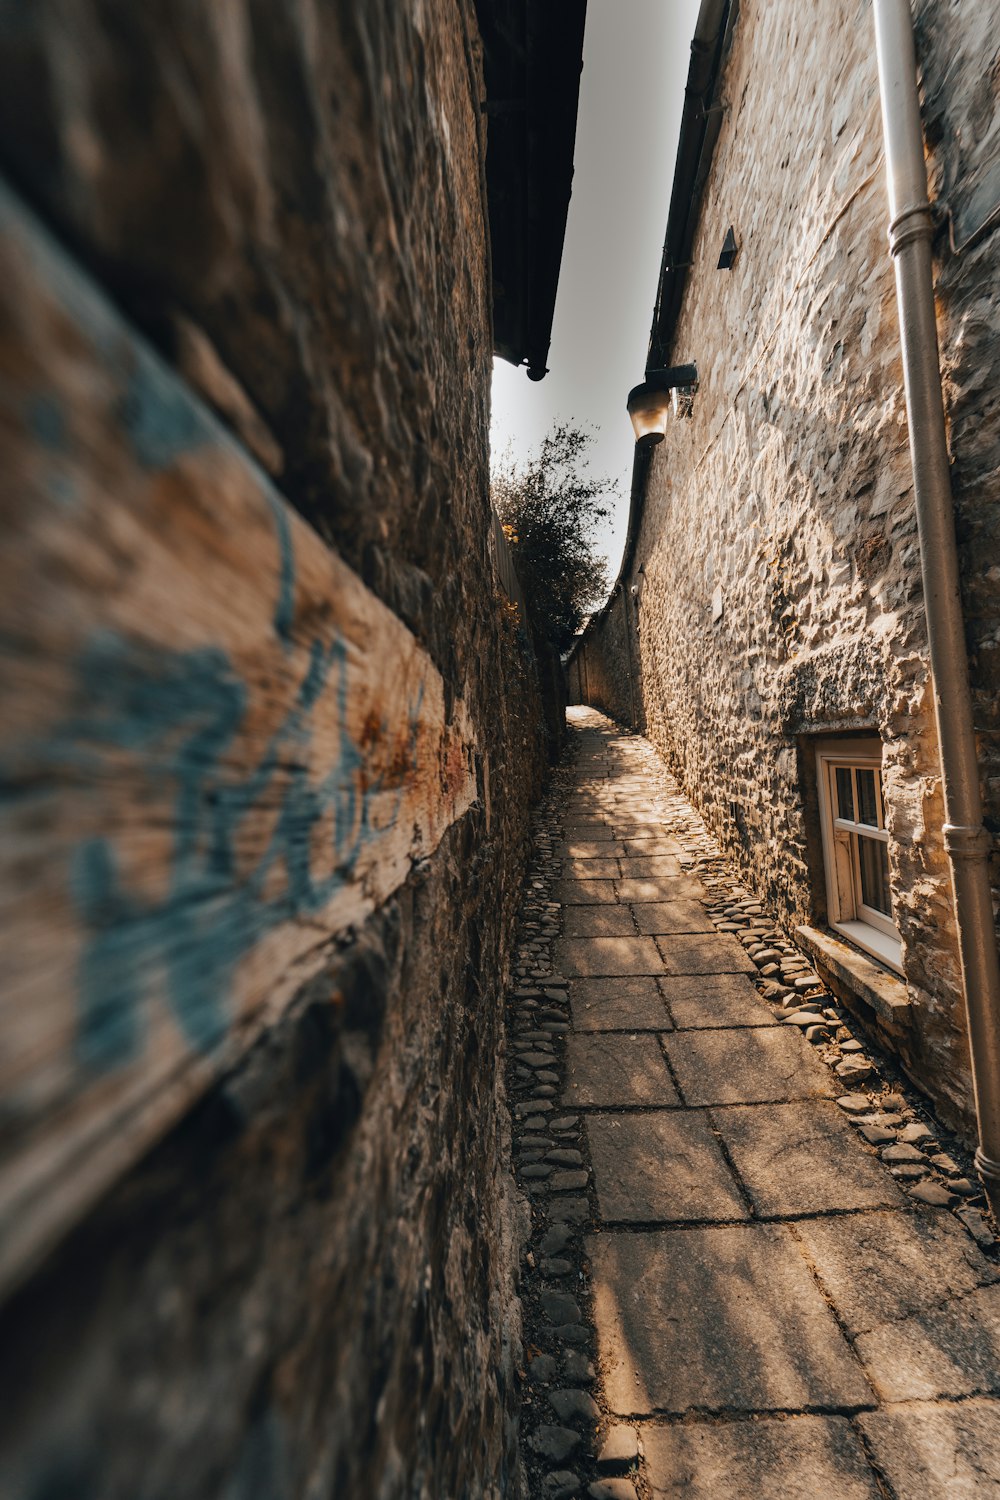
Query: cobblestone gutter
x: 553, y: 1174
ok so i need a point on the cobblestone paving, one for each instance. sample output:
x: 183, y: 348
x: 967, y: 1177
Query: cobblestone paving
x: 757, y: 1266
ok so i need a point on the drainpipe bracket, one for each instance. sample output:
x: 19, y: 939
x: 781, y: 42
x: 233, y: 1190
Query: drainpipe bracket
x: 967, y: 842
x: 945, y: 214
x: 913, y: 223
x: 989, y: 1171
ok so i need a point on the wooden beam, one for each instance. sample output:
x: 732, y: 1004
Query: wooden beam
x: 218, y: 749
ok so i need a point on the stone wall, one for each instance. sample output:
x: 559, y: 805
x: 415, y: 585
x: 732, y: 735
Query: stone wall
x: 270, y: 738
x: 780, y: 592
x: 605, y: 676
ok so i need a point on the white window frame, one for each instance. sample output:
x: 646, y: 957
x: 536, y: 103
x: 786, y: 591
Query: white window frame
x: 848, y: 914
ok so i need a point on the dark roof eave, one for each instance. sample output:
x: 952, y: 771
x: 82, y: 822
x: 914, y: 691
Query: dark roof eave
x: 533, y: 58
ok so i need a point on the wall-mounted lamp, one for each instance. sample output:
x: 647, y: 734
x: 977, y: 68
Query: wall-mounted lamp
x: 649, y: 404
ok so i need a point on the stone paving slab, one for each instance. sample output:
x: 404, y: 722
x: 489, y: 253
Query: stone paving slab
x: 930, y: 1452
x: 629, y: 825
x: 660, y: 1167
x: 718, y: 954
x: 721, y: 1319
x: 714, y: 1000
x: 607, y: 956
x: 642, y: 867
x: 590, y: 869
x: 952, y: 1350
x: 633, y: 1003
x: 768, y: 1064
x: 583, y: 892
x: 803, y: 1158
x: 605, y: 1071
x: 881, y: 1267
x: 660, y: 888
x: 657, y: 917
x: 589, y: 849
x: 796, y: 1458
x: 598, y: 921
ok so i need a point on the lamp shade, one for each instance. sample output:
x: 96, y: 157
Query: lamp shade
x: 649, y: 409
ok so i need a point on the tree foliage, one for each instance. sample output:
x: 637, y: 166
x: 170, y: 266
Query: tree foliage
x: 550, y: 508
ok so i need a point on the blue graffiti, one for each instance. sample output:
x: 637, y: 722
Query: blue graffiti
x: 211, y: 915
x: 180, y: 713
x: 157, y: 415
x: 46, y: 420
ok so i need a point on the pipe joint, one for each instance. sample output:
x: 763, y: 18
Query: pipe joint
x: 909, y: 225
x: 967, y: 842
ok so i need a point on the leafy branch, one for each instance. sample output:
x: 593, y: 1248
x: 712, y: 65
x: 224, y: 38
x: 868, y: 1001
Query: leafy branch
x: 550, y: 508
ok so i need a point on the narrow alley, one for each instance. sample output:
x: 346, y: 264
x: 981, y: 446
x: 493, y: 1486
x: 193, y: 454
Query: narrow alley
x: 500, y: 750
x: 728, y: 1293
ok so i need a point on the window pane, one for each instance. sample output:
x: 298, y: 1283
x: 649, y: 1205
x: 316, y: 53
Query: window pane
x: 845, y: 793
x: 874, y: 861
x: 867, y: 799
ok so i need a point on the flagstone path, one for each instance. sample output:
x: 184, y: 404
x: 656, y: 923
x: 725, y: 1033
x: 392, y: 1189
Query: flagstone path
x: 732, y: 1295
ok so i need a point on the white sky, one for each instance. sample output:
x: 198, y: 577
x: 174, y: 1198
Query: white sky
x: 635, y: 59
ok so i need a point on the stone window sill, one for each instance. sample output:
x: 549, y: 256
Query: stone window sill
x: 860, y: 976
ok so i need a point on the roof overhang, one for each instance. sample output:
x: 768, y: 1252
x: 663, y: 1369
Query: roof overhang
x: 533, y: 54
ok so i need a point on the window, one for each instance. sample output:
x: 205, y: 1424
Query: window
x: 855, y: 846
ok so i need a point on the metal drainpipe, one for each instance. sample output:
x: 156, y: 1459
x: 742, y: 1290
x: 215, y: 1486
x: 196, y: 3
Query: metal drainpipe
x: 966, y: 840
